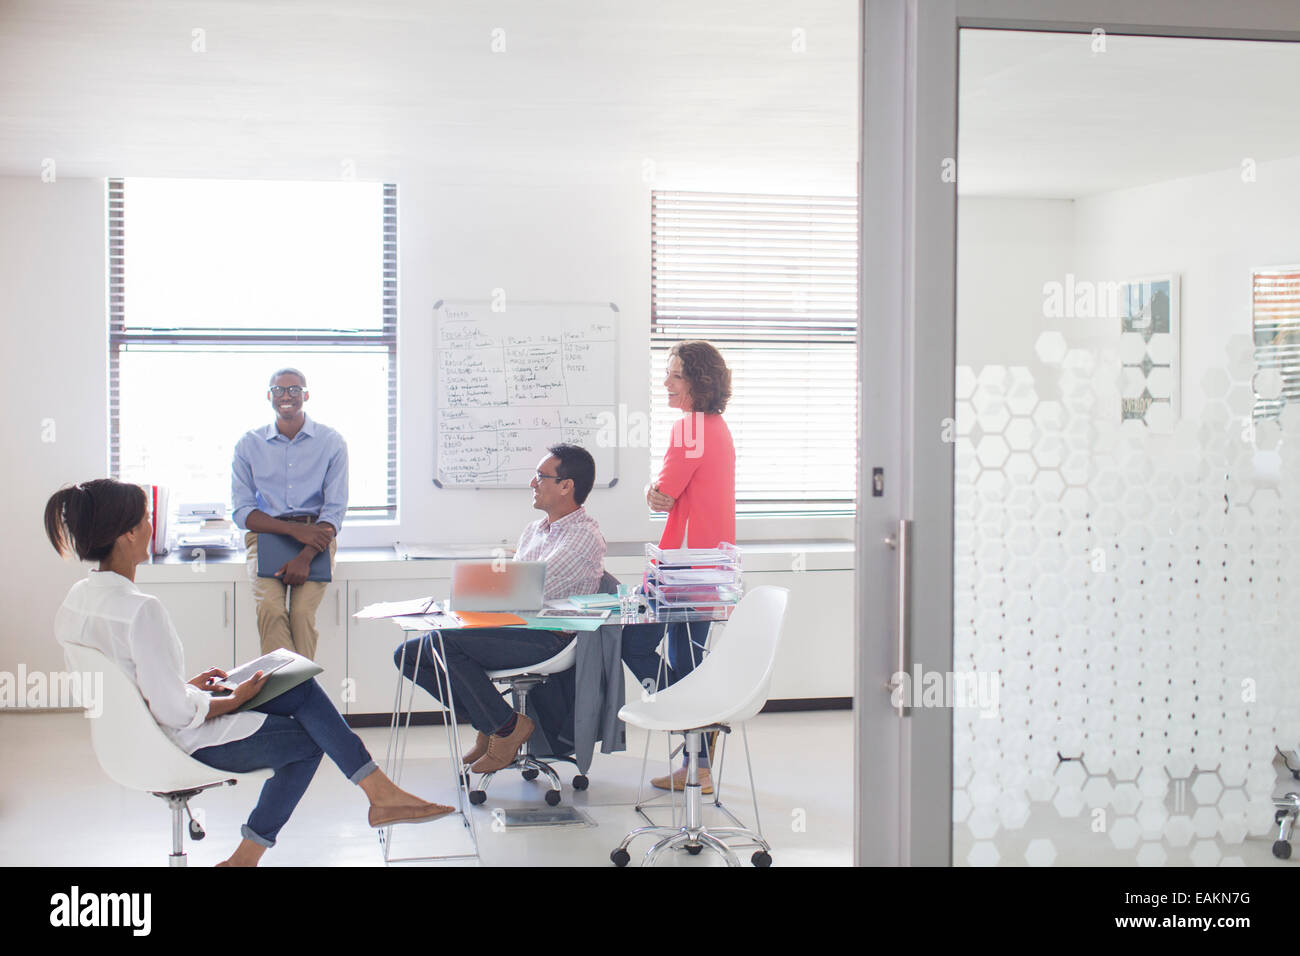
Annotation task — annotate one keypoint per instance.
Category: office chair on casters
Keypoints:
(520, 681)
(728, 687)
(133, 750)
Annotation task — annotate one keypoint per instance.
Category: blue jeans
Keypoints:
(685, 647)
(471, 653)
(301, 725)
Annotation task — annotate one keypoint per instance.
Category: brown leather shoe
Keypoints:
(501, 751)
(678, 781)
(419, 813)
(480, 748)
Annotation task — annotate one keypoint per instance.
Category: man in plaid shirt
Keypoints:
(569, 541)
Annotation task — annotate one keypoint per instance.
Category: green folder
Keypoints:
(594, 601)
(563, 623)
(285, 679)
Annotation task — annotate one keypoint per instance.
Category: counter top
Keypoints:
(622, 557)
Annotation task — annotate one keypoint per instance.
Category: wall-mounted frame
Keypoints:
(1149, 328)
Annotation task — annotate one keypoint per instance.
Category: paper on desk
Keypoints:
(394, 609)
(441, 621)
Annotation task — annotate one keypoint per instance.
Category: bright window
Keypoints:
(213, 286)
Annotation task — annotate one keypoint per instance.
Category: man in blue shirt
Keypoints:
(290, 478)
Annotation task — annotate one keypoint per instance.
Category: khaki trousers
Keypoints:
(294, 626)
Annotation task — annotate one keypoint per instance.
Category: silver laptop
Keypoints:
(498, 586)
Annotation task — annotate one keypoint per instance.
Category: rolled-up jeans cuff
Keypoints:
(366, 770)
(248, 833)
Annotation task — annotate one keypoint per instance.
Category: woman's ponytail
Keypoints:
(87, 519)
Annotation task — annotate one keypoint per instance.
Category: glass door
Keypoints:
(1080, 403)
(1126, 449)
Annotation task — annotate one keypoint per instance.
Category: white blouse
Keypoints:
(109, 613)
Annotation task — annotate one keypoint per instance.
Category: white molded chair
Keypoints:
(728, 687)
(521, 680)
(133, 750)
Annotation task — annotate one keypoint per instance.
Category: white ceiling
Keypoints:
(1042, 115)
(293, 89)
(711, 92)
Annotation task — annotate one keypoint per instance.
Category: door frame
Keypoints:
(908, 73)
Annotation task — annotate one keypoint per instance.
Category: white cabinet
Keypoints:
(204, 616)
(331, 649)
(371, 644)
(815, 658)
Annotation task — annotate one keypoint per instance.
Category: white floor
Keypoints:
(57, 808)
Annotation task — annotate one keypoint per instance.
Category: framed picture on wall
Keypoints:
(1149, 352)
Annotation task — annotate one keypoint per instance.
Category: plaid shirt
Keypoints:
(573, 549)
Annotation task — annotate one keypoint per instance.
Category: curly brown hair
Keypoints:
(706, 373)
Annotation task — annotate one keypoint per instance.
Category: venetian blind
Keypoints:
(772, 281)
(1276, 318)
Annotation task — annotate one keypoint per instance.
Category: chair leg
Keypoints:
(749, 835)
(676, 838)
(642, 831)
(713, 843)
(177, 857)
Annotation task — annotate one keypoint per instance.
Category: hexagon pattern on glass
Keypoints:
(1129, 586)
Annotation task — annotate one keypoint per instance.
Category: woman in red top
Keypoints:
(697, 488)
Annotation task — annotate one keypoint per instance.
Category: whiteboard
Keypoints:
(512, 383)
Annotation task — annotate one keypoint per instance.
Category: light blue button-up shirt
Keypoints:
(306, 476)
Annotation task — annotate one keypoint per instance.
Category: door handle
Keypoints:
(225, 609)
(338, 607)
(897, 684)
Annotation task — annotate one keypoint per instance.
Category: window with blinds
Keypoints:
(772, 282)
(213, 286)
(1276, 319)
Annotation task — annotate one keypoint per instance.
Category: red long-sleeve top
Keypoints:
(699, 470)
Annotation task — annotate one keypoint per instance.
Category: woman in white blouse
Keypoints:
(107, 521)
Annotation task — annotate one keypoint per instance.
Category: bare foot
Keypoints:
(247, 853)
(384, 793)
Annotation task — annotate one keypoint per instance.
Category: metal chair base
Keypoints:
(526, 760)
(693, 835)
(178, 801)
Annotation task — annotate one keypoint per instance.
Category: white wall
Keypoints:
(53, 269)
(558, 237)
(1006, 250)
(1213, 230)
(544, 241)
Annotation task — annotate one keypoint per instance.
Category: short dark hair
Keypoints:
(87, 519)
(706, 373)
(287, 371)
(577, 464)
